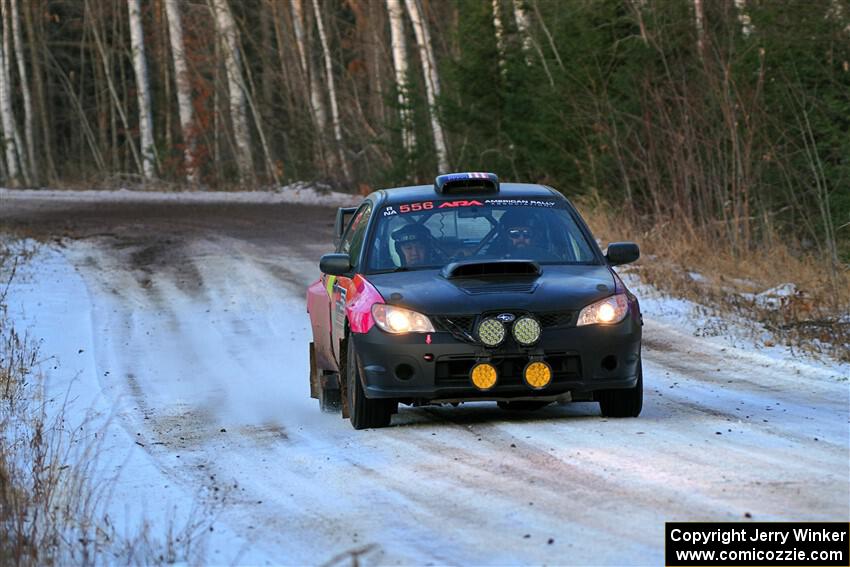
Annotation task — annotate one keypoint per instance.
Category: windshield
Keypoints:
(430, 234)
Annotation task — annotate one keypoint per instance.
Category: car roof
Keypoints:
(424, 192)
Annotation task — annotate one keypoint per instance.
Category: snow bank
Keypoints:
(296, 193)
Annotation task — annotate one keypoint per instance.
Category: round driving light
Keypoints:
(491, 332)
(483, 375)
(537, 374)
(527, 330)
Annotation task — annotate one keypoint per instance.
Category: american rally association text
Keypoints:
(748, 534)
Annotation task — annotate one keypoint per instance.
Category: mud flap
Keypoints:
(329, 392)
(314, 373)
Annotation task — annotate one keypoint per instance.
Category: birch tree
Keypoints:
(143, 94)
(398, 42)
(699, 22)
(329, 76)
(523, 24)
(432, 80)
(499, 27)
(744, 18)
(314, 95)
(10, 133)
(184, 89)
(25, 87)
(232, 66)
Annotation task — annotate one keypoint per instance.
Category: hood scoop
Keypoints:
(478, 269)
(525, 287)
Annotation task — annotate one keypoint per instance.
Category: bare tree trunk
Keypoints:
(699, 22)
(25, 87)
(6, 113)
(744, 18)
(143, 92)
(232, 65)
(523, 24)
(38, 47)
(317, 107)
(184, 89)
(398, 40)
(329, 75)
(110, 84)
(500, 34)
(432, 80)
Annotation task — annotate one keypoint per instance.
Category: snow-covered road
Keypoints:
(194, 334)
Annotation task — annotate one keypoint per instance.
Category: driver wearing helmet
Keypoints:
(412, 243)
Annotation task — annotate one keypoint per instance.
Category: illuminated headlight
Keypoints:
(526, 330)
(398, 320)
(605, 312)
(491, 332)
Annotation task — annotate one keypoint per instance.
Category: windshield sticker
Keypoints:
(520, 202)
(430, 205)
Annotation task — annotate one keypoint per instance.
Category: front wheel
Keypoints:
(363, 412)
(625, 402)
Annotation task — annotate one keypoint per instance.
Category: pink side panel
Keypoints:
(314, 295)
(361, 297)
(318, 305)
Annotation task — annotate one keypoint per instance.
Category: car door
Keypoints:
(337, 286)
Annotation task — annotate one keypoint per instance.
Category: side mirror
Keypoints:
(622, 253)
(335, 264)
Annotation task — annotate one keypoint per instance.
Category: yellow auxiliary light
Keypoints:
(483, 375)
(537, 374)
(491, 332)
(527, 330)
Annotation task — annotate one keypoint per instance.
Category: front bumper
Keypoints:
(583, 359)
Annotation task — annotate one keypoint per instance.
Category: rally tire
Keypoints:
(626, 402)
(363, 412)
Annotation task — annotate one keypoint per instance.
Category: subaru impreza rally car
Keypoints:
(471, 290)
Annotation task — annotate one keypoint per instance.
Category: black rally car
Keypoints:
(472, 290)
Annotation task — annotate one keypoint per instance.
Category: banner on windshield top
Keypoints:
(763, 544)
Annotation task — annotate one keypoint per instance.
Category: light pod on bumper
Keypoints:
(491, 332)
(483, 375)
(526, 330)
(537, 374)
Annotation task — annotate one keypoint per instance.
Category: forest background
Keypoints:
(715, 132)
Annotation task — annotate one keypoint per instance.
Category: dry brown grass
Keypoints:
(815, 317)
(53, 500)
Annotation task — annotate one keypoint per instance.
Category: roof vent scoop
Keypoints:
(470, 182)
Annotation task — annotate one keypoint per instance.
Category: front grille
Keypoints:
(454, 371)
(552, 319)
(448, 322)
(466, 323)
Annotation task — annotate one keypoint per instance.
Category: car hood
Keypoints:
(556, 288)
